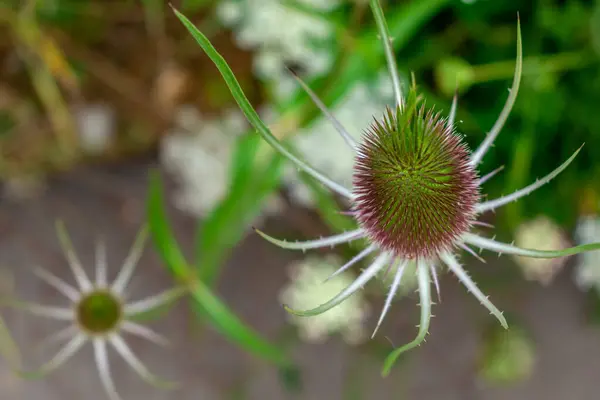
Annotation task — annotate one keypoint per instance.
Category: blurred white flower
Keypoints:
(230, 12)
(308, 289)
(281, 34)
(587, 272)
(543, 234)
(96, 124)
(199, 156)
(198, 153)
(320, 144)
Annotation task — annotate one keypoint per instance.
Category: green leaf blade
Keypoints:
(162, 233)
(251, 182)
(248, 110)
(233, 328)
(207, 303)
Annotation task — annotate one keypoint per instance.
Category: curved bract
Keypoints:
(425, 298)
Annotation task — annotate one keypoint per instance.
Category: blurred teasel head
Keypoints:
(99, 314)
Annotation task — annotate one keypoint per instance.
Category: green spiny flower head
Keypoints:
(415, 190)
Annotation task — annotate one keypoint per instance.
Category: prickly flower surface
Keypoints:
(415, 191)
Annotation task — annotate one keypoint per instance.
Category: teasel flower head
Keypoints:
(99, 314)
(415, 191)
(415, 195)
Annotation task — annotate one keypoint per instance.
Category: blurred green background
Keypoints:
(134, 56)
(87, 83)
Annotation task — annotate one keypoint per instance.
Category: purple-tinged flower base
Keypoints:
(415, 192)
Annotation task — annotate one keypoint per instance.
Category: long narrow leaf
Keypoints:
(207, 303)
(227, 224)
(233, 328)
(384, 33)
(162, 234)
(222, 225)
(248, 110)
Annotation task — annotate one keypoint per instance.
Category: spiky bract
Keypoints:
(415, 190)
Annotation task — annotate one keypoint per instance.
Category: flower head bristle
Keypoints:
(415, 191)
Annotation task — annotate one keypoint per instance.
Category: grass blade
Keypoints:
(205, 302)
(161, 231)
(252, 181)
(249, 111)
(233, 328)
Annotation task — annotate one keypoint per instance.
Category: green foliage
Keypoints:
(194, 5)
(227, 223)
(204, 302)
(508, 356)
(553, 114)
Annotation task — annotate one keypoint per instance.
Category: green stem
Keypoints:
(532, 65)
